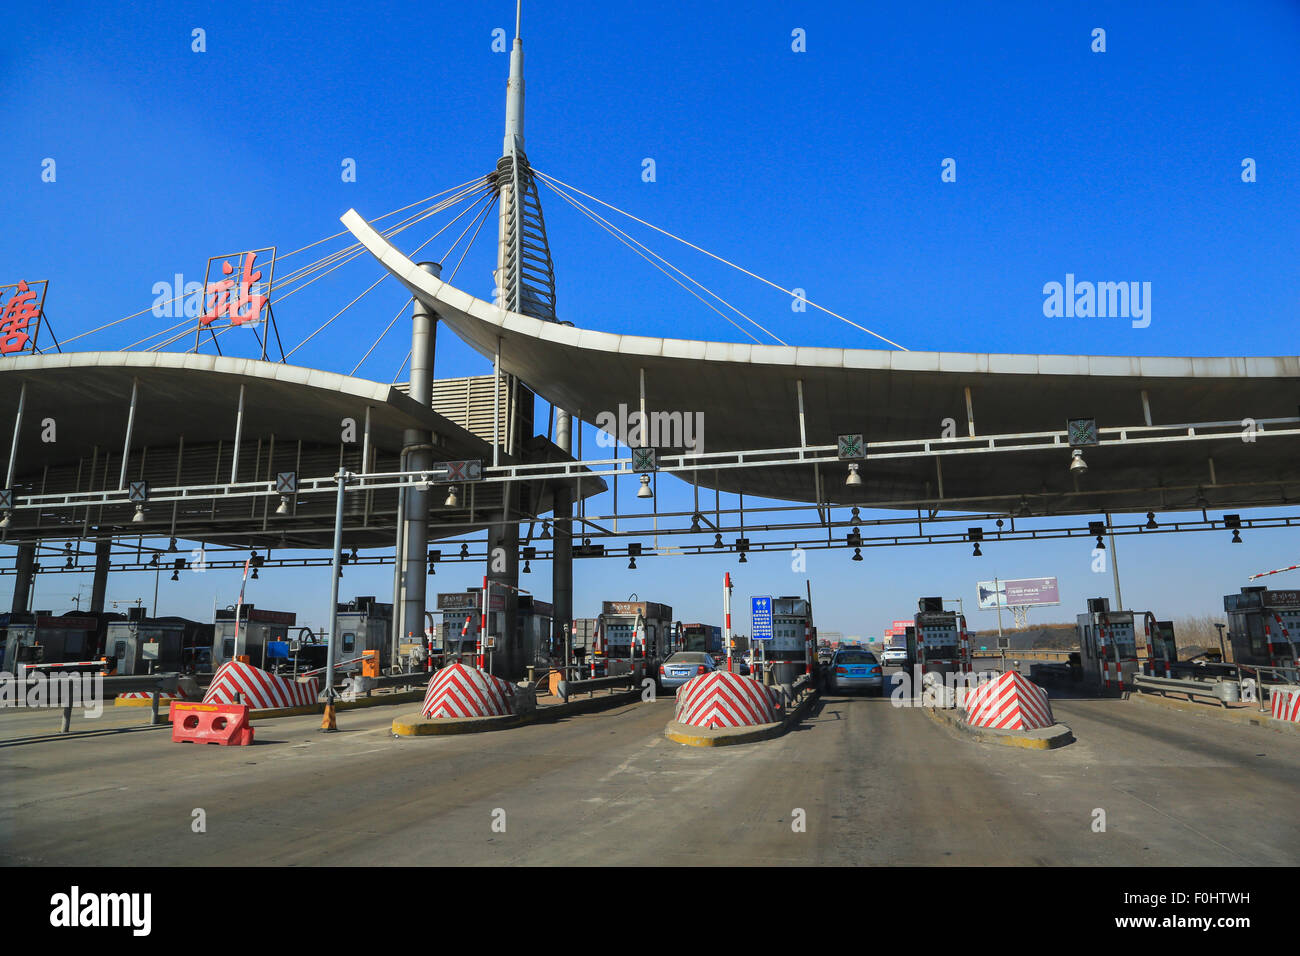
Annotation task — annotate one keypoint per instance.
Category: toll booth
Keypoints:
(43, 637)
(258, 628)
(618, 621)
(1108, 645)
(533, 624)
(461, 613)
(147, 645)
(365, 625)
(941, 643)
(536, 619)
(1263, 627)
(785, 655)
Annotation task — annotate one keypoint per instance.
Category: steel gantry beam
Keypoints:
(688, 463)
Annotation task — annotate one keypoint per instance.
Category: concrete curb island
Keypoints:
(727, 736)
(417, 725)
(1049, 738)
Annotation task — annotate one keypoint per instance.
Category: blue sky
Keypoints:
(819, 170)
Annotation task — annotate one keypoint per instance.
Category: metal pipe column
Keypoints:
(335, 566)
(419, 452)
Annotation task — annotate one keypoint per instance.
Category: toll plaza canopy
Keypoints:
(75, 412)
(1176, 433)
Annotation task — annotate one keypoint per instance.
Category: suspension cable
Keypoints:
(553, 181)
(629, 241)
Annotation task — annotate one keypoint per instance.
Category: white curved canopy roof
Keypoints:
(748, 396)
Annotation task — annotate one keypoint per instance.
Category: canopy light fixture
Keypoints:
(644, 491)
(854, 479)
(1151, 521)
(453, 498)
(1077, 464)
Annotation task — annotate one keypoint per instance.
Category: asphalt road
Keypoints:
(872, 784)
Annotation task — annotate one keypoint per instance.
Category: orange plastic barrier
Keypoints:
(224, 724)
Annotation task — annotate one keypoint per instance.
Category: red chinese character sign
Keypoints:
(237, 292)
(22, 306)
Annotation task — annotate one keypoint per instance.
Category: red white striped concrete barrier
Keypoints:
(1286, 706)
(259, 689)
(142, 697)
(1008, 702)
(724, 699)
(460, 691)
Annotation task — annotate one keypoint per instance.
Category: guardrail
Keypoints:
(1217, 690)
(593, 684)
(57, 693)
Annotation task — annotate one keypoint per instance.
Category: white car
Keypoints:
(894, 655)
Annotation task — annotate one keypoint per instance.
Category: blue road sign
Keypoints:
(760, 618)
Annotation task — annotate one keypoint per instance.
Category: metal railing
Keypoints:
(57, 694)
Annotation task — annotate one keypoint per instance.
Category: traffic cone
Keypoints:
(327, 722)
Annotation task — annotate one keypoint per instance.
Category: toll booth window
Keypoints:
(119, 650)
(228, 648)
(349, 642)
(1257, 646)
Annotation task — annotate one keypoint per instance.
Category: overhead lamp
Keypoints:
(856, 519)
(283, 508)
(546, 532)
(171, 546)
(154, 559)
(743, 559)
(1233, 522)
(695, 522)
(254, 574)
(854, 479)
(717, 540)
(644, 491)
(464, 550)
(631, 563)
(176, 575)
(857, 554)
(977, 553)
(354, 554)
(1236, 536)
(453, 498)
(527, 569)
(1077, 464)
(139, 514)
(68, 562)
(1151, 521)
(4, 522)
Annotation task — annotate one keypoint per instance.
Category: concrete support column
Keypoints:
(99, 584)
(562, 563)
(419, 457)
(23, 578)
(503, 567)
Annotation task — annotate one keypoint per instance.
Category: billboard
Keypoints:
(1018, 592)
